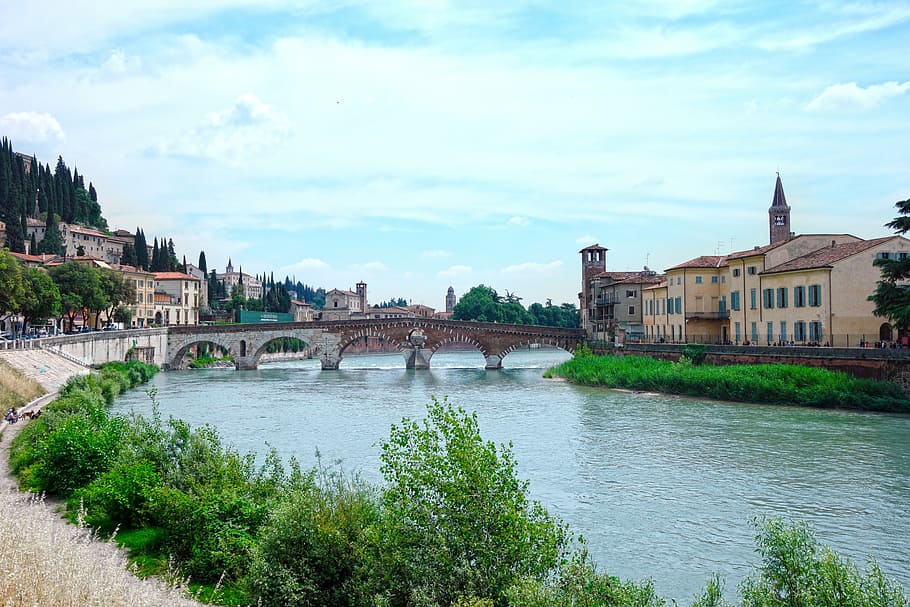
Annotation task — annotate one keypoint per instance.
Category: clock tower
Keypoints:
(779, 215)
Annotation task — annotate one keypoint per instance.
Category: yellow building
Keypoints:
(697, 300)
(176, 299)
(142, 308)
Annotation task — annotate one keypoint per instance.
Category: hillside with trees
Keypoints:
(29, 189)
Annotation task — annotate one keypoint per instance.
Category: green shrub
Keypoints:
(695, 353)
(75, 453)
(312, 548)
(796, 571)
(117, 497)
(456, 520)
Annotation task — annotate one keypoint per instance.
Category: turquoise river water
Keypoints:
(660, 487)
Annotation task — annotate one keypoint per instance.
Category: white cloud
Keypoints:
(370, 266)
(231, 134)
(586, 240)
(851, 96)
(31, 126)
(455, 271)
(310, 263)
(118, 62)
(519, 221)
(436, 253)
(531, 266)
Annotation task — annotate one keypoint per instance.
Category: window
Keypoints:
(782, 297)
(770, 332)
(714, 280)
(751, 270)
(723, 278)
(631, 310)
(735, 272)
(698, 280)
(768, 299)
(799, 330)
(755, 331)
(631, 293)
(734, 300)
(736, 332)
(679, 308)
(679, 280)
(783, 330)
(815, 331)
(799, 297)
(669, 305)
(752, 298)
(815, 295)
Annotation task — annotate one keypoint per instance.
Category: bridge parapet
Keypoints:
(418, 338)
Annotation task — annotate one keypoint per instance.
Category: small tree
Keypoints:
(892, 295)
(456, 520)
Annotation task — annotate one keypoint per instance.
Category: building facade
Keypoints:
(798, 289)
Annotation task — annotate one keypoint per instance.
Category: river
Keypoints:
(660, 487)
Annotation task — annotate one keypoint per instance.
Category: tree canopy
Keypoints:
(892, 294)
(485, 304)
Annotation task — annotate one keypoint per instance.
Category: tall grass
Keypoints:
(768, 384)
(44, 561)
(16, 389)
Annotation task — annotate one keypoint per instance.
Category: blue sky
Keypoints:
(418, 144)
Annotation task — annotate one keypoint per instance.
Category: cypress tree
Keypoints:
(53, 241)
(142, 251)
(156, 257)
(184, 265)
(173, 264)
(202, 265)
(92, 193)
(32, 245)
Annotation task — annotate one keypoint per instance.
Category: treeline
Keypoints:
(451, 526)
(163, 257)
(58, 195)
(484, 304)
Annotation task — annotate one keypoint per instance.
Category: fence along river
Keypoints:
(659, 486)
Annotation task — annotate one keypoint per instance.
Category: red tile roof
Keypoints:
(594, 247)
(705, 261)
(174, 276)
(827, 256)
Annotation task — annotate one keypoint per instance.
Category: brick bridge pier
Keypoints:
(418, 339)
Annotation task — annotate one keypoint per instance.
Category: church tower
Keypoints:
(593, 262)
(362, 295)
(779, 215)
(230, 267)
(450, 300)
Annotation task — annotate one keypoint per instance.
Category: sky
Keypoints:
(420, 144)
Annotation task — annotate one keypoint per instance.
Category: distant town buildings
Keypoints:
(344, 305)
(251, 287)
(798, 289)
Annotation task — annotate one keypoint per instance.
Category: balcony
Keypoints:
(720, 315)
(607, 300)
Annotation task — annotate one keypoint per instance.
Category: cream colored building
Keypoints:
(142, 309)
(799, 289)
(176, 299)
(94, 243)
(390, 312)
(302, 311)
(252, 286)
(344, 305)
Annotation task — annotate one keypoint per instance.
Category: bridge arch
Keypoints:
(179, 358)
(262, 347)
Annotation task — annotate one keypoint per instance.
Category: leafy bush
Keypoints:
(797, 571)
(312, 549)
(456, 520)
(117, 497)
(77, 452)
(695, 353)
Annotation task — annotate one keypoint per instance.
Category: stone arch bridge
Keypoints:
(417, 338)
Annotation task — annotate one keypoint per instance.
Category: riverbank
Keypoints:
(776, 384)
(44, 559)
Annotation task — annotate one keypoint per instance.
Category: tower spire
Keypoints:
(779, 215)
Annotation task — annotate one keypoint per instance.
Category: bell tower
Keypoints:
(779, 215)
(593, 262)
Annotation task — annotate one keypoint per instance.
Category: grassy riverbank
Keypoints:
(15, 389)
(766, 384)
(451, 526)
